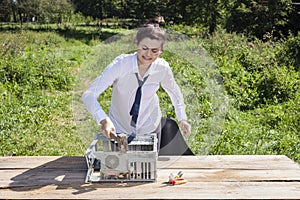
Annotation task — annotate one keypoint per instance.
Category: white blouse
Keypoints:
(120, 73)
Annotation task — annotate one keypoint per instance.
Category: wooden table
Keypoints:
(209, 177)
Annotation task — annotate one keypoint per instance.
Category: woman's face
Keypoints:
(148, 51)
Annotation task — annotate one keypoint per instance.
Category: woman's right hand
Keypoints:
(107, 127)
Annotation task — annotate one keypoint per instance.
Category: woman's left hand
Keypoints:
(185, 127)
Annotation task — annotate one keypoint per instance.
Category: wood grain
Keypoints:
(209, 177)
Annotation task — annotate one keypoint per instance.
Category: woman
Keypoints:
(134, 105)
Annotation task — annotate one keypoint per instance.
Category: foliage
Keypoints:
(27, 70)
(251, 71)
(43, 11)
(195, 31)
(36, 80)
(251, 17)
(39, 72)
(289, 55)
(264, 88)
(188, 80)
(89, 8)
(270, 130)
(260, 17)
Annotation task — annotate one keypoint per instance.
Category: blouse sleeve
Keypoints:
(100, 84)
(171, 87)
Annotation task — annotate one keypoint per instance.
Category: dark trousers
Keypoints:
(171, 140)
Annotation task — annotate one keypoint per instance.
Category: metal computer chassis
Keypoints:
(106, 163)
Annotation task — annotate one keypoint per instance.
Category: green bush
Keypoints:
(269, 130)
(251, 70)
(289, 55)
(35, 84)
(262, 80)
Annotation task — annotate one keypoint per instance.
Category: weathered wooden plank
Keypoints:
(233, 175)
(192, 162)
(33, 178)
(28, 162)
(210, 190)
(271, 177)
(22, 178)
(228, 162)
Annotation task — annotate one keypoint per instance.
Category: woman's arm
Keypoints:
(171, 87)
(99, 85)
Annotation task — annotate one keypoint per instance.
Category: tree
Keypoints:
(55, 11)
(45, 11)
(260, 17)
(92, 8)
(6, 10)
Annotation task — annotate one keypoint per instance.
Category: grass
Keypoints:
(44, 72)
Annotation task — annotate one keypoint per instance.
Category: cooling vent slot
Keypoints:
(142, 170)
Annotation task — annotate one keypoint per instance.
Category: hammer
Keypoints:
(121, 140)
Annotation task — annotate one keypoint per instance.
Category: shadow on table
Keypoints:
(64, 173)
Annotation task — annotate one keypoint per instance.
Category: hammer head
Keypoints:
(121, 140)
